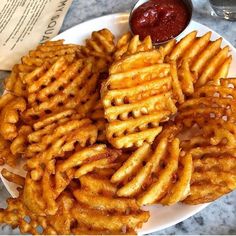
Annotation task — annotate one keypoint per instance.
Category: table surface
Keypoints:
(220, 216)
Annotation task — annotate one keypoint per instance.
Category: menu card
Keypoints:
(26, 23)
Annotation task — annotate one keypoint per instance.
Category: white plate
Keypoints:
(161, 217)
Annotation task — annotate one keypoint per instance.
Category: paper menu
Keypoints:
(26, 23)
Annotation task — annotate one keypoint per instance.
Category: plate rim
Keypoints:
(62, 35)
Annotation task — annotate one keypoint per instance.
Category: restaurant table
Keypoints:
(220, 216)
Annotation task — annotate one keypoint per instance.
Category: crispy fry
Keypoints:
(70, 80)
(6, 156)
(219, 177)
(12, 177)
(137, 183)
(9, 117)
(127, 45)
(120, 205)
(181, 189)
(99, 220)
(157, 189)
(97, 185)
(134, 108)
(132, 164)
(207, 61)
(19, 144)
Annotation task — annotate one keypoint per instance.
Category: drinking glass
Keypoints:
(224, 8)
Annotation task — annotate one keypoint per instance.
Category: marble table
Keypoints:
(220, 216)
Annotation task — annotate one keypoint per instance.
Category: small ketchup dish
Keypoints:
(163, 20)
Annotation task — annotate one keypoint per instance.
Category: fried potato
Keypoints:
(101, 44)
(132, 165)
(99, 49)
(98, 185)
(180, 190)
(156, 176)
(32, 196)
(49, 52)
(12, 177)
(78, 136)
(66, 219)
(158, 189)
(127, 45)
(207, 60)
(6, 156)
(135, 107)
(14, 83)
(99, 220)
(14, 215)
(120, 212)
(87, 159)
(41, 139)
(45, 54)
(210, 102)
(217, 172)
(60, 87)
(19, 144)
(120, 205)
(9, 117)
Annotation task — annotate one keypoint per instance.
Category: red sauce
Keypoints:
(161, 19)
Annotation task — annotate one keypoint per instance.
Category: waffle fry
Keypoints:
(14, 84)
(60, 87)
(200, 51)
(98, 185)
(99, 49)
(19, 144)
(219, 176)
(98, 156)
(107, 208)
(149, 175)
(100, 44)
(210, 102)
(134, 108)
(79, 137)
(128, 45)
(9, 117)
(12, 177)
(41, 139)
(97, 115)
(87, 207)
(50, 52)
(6, 156)
(45, 54)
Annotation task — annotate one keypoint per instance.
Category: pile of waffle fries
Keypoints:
(108, 127)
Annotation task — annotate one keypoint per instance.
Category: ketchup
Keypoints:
(161, 19)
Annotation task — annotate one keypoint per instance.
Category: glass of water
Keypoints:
(224, 8)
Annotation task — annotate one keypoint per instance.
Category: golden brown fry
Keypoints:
(19, 144)
(207, 61)
(137, 183)
(135, 107)
(97, 185)
(127, 45)
(12, 177)
(157, 189)
(180, 190)
(103, 203)
(132, 164)
(60, 87)
(9, 117)
(100, 220)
